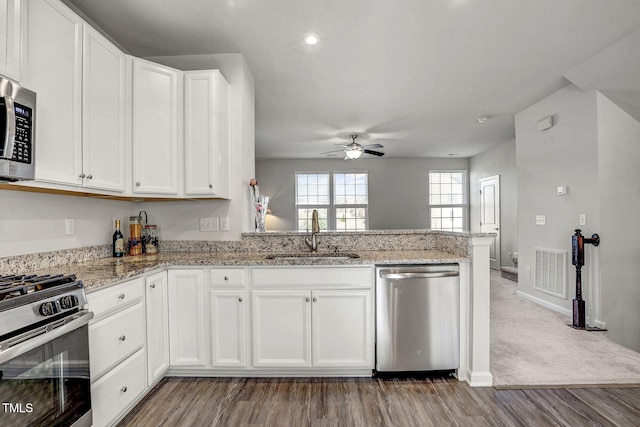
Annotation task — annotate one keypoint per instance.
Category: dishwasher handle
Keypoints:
(418, 275)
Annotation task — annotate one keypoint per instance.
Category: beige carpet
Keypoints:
(533, 346)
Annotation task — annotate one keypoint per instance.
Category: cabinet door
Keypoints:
(342, 328)
(53, 69)
(186, 318)
(281, 322)
(103, 161)
(206, 130)
(10, 33)
(228, 328)
(157, 326)
(155, 128)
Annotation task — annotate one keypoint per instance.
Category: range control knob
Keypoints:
(68, 301)
(48, 308)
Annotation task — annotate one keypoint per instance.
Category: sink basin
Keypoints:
(312, 256)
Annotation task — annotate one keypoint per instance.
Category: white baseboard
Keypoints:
(545, 304)
(480, 379)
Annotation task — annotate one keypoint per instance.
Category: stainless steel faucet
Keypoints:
(312, 242)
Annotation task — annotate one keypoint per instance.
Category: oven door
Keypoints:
(44, 380)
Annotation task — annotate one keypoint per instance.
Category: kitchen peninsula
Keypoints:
(205, 308)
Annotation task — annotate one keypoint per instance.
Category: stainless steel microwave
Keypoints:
(17, 131)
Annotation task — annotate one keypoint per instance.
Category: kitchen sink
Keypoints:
(313, 256)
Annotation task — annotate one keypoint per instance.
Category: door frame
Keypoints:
(496, 261)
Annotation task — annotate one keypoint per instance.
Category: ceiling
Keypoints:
(412, 75)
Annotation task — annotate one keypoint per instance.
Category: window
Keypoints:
(340, 198)
(448, 200)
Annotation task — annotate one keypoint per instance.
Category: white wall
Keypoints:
(619, 184)
(398, 193)
(32, 222)
(501, 161)
(565, 155)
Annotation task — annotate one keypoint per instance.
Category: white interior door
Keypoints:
(490, 215)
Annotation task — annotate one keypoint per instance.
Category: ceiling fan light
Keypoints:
(353, 154)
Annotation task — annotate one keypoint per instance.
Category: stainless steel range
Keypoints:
(44, 351)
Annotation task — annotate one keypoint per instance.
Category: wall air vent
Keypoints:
(550, 274)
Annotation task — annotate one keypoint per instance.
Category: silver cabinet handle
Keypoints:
(82, 175)
(307, 299)
(124, 389)
(122, 337)
(226, 278)
(240, 299)
(89, 176)
(153, 286)
(137, 184)
(210, 185)
(315, 300)
(121, 296)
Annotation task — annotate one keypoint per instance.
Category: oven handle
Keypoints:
(43, 335)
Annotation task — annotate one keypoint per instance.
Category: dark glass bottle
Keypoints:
(118, 241)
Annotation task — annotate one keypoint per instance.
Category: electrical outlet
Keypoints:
(224, 223)
(528, 271)
(209, 224)
(583, 219)
(69, 226)
(541, 220)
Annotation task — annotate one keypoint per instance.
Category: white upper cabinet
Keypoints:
(52, 67)
(103, 107)
(206, 133)
(10, 38)
(154, 128)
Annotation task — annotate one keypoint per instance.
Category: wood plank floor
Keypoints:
(377, 402)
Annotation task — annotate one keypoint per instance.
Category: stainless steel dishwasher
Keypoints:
(417, 318)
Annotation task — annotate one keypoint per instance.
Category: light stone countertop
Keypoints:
(108, 271)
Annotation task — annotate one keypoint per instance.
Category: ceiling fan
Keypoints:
(354, 150)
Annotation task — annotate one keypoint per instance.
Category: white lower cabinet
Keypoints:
(342, 328)
(312, 317)
(281, 328)
(187, 345)
(319, 328)
(115, 392)
(117, 353)
(157, 305)
(227, 321)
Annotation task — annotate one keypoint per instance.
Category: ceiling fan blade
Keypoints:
(334, 151)
(375, 153)
(373, 146)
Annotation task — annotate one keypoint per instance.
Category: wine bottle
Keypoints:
(118, 241)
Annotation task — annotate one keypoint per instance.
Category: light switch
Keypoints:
(561, 190)
(541, 220)
(583, 219)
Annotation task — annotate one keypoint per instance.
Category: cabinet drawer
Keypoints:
(118, 389)
(114, 338)
(109, 299)
(226, 276)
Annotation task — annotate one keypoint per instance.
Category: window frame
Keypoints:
(465, 199)
(332, 206)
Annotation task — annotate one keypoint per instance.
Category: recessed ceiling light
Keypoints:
(311, 39)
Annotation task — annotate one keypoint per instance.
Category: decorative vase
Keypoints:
(262, 203)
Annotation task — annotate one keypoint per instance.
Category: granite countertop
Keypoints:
(107, 271)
